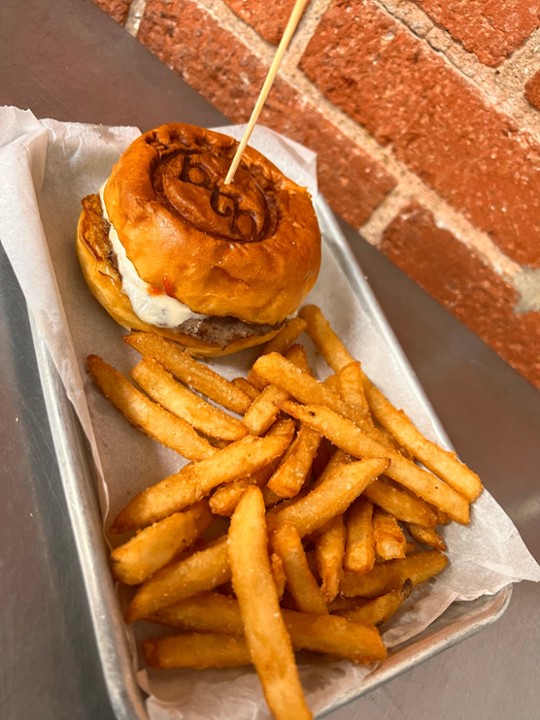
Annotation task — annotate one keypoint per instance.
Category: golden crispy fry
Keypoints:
(357, 642)
(285, 337)
(288, 478)
(278, 573)
(204, 570)
(196, 650)
(344, 433)
(351, 388)
(267, 638)
(329, 551)
(390, 542)
(208, 612)
(196, 480)
(325, 339)
(171, 431)
(194, 373)
(380, 609)
(427, 536)
(336, 491)
(155, 546)
(298, 356)
(360, 547)
(442, 462)
(270, 498)
(176, 398)
(214, 613)
(225, 498)
(264, 409)
(300, 581)
(298, 383)
(246, 387)
(387, 576)
(400, 503)
(283, 344)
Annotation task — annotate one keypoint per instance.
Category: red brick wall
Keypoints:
(426, 118)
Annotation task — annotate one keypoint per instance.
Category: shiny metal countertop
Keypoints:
(67, 60)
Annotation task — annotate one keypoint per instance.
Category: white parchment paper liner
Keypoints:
(46, 167)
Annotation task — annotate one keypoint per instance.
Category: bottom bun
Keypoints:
(105, 284)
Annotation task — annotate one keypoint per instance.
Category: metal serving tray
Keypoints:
(76, 468)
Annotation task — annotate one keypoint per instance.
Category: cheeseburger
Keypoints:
(167, 247)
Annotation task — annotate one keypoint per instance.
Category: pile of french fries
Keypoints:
(306, 515)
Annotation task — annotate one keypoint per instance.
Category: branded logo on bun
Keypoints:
(166, 246)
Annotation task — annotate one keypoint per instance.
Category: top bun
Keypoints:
(250, 249)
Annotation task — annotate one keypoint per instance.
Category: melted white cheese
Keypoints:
(160, 310)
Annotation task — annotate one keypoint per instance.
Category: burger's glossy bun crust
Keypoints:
(250, 249)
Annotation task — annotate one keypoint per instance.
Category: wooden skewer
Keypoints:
(296, 14)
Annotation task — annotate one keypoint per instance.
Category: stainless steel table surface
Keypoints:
(65, 59)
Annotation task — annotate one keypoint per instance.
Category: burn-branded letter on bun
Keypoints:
(166, 246)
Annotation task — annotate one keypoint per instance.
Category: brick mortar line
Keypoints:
(446, 217)
(524, 280)
(481, 77)
(229, 20)
(505, 96)
(409, 185)
(306, 29)
(136, 11)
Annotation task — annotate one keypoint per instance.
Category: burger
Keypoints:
(166, 246)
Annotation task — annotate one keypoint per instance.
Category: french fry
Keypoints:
(300, 581)
(283, 344)
(225, 498)
(160, 385)
(208, 612)
(157, 423)
(360, 545)
(357, 642)
(351, 388)
(329, 551)
(204, 570)
(347, 436)
(196, 650)
(214, 613)
(400, 503)
(194, 373)
(343, 603)
(298, 356)
(390, 542)
(288, 478)
(378, 610)
(267, 638)
(442, 462)
(155, 546)
(387, 576)
(278, 573)
(302, 386)
(427, 536)
(325, 339)
(196, 480)
(285, 337)
(246, 387)
(336, 491)
(298, 383)
(264, 409)
(318, 504)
